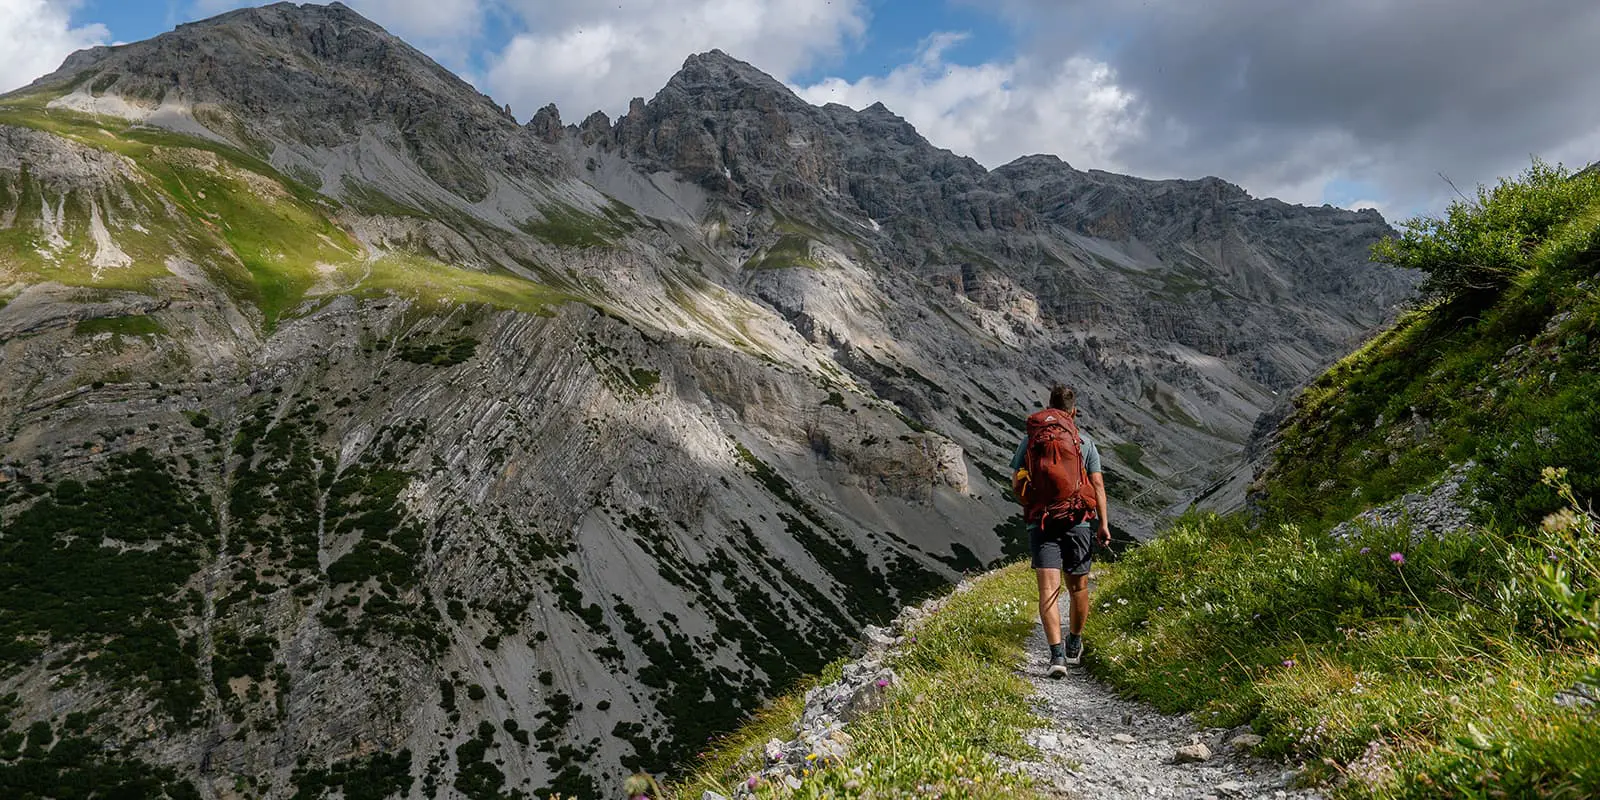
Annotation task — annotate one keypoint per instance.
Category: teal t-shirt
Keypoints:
(1091, 454)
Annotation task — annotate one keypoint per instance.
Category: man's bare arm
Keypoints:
(1104, 534)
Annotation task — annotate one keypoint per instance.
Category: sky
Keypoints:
(1356, 103)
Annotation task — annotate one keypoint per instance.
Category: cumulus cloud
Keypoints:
(583, 55)
(1287, 97)
(995, 112)
(426, 19)
(39, 34)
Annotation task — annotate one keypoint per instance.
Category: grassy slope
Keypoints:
(958, 702)
(270, 239)
(1401, 665)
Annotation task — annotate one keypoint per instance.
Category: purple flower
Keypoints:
(1288, 662)
(1398, 558)
(753, 782)
(1365, 550)
(883, 683)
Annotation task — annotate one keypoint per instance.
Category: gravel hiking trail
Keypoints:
(1099, 746)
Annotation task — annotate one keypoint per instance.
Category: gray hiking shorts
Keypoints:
(1070, 550)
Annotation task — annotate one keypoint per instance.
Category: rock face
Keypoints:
(351, 428)
(1444, 509)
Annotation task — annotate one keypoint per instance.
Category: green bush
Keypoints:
(439, 353)
(374, 777)
(1480, 245)
(77, 768)
(1510, 386)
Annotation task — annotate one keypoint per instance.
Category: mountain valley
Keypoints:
(354, 433)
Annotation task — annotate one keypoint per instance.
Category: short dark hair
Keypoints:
(1063, 398)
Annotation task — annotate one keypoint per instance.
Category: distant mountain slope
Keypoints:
(401, 441)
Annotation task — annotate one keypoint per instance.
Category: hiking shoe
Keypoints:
(1058, 667)
(1074, 651)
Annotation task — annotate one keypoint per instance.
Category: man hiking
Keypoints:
(1056, 475)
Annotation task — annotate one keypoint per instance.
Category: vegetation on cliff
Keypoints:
(270, 240)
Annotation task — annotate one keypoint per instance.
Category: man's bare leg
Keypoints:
(1078, 613)
(1049, 604)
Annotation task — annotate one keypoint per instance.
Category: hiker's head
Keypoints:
(1063, 398)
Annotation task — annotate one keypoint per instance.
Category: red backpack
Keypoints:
(1058, 484)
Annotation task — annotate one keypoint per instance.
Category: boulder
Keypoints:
(1192, 754)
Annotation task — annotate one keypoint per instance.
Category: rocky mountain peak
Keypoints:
(877, 121)
(716, 73)
(546, 124)
(284, 15)
(1044, 161)
(312, 77)
(718, 122)
(274, 37)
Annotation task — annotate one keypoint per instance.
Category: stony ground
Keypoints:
(1101, 746)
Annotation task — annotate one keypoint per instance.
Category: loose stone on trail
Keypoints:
(1245, 741)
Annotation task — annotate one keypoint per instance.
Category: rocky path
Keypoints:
(1101, 746)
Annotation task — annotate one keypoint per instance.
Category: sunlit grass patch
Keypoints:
(270, 240)
(51, 234)
(131, 325)
(790, 251)
(229, 206)
(278, 237)
(436, 285)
